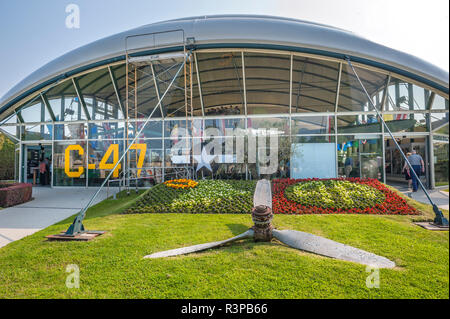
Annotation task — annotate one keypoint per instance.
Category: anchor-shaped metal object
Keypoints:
(263, 231)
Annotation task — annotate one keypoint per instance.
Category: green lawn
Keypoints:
(111, 266)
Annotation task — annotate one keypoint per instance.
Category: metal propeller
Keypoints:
(263, 231)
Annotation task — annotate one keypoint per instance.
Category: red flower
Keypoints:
(392, 205)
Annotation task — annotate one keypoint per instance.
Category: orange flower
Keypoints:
(181, 183)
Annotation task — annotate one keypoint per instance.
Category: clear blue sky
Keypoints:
(33, 32)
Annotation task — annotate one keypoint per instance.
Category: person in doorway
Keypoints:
(47, 171)
(407, 172)
(418, 166)
(348, 166)
(42, 172)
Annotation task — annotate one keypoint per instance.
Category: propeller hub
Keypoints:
(262, 218)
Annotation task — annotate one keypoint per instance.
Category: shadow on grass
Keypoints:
(108, 206)
(237, 229)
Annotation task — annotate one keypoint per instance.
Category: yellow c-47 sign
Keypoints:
(112, 149)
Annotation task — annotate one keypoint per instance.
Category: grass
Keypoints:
(111, 266)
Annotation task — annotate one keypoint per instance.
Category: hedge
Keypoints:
(14, 194)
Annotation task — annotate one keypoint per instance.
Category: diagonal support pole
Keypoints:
(440, 218)
(77, 226)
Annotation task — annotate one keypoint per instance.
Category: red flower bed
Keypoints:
(393, 204)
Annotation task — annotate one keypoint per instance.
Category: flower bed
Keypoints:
(337, 196)
(181, 183)
(14, 194)
(207, 196)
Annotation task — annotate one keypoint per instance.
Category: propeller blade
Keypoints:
(200, 247)
(263, 194)
(326, 247)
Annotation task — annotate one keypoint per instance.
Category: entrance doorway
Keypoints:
(34, 155)
(394, 161)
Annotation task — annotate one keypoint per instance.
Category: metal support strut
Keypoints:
(77, 226)
(440, 218)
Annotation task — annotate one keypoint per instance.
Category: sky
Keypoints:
(34, 32)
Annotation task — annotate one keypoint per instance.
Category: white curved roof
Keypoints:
(244, 30)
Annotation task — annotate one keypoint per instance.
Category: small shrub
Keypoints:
(14, 194)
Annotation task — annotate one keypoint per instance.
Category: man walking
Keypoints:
(418, 166)
(348, 166)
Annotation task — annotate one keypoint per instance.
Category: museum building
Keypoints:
(248, 74)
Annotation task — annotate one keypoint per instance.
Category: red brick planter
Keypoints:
(14, 194)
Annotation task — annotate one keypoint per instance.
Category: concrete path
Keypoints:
(439, 197)
(48, 207)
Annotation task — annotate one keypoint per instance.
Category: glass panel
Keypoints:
(314, 85)
(99, 95)
(394, 160)
(221, 82)
(55, 104)
(313, 157)
(406, 96)
(13, 130)
(312, 125)
(69, 164)
(360, 156)
(119, 75)
(363, 123)
(37, 132)
(439, 123)
(75, 131)
(36, 112)
(64, 102)
(177, 157)
(147, 97)
(12, 120)
(402, 122)
(441, 155)
(351, 94)
(152, 130)
(176, 126)
(267, 83)
(439, 103)
(102, 157)
(106, 130)
(271, 162)
(225, 123)
(146, 160)
(281, 124)
(33, 155)
(174, 101)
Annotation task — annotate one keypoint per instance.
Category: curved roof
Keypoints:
(249, 31)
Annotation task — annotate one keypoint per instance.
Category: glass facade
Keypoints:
(247, 108)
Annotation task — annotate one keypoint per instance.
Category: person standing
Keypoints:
(407, 172)
(348, 166)
(418, 166)
(42, 172)
(47, 171)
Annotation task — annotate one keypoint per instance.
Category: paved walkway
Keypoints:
(439, 197)
(48, 207)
